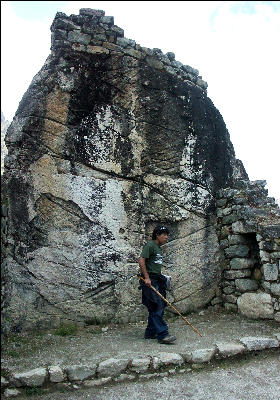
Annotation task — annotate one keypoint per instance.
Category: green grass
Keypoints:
(66, 330)
(33, 391)
(4, 373)
(13, 353)
(17, 344)
(17, 339)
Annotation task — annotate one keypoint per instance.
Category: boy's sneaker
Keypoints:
(167, 340)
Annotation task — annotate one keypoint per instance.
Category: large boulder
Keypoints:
(109, 140)
(255, 305)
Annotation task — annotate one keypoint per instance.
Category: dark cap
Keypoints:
(159, 230)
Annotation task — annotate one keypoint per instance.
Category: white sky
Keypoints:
(233, 44)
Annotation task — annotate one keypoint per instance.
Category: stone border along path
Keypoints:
(124, 369)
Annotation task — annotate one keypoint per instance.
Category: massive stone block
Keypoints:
(109, 140)
(255, 305)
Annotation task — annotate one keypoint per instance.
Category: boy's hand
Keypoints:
(148, 282)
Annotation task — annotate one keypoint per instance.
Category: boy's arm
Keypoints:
(143, 269)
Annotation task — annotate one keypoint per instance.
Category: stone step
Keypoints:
(139, 367)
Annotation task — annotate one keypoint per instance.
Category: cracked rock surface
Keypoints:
(109, 140)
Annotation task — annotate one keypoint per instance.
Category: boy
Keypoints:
(150, 263)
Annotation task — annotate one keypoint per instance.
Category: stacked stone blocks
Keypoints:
(249, 231)
(93, 32)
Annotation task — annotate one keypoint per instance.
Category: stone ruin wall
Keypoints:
(82, 35)
(249, 234)
(81, 204)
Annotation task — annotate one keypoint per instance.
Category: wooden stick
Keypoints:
(170, 305)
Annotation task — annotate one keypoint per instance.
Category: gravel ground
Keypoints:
(27, 351)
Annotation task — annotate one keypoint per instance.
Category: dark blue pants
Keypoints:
(156, 324)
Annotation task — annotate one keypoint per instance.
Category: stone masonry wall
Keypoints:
(94, 33)
(249, 234)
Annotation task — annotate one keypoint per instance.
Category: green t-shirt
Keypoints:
(153, 255)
